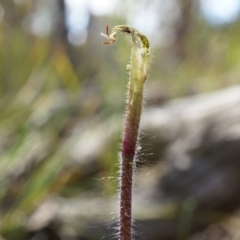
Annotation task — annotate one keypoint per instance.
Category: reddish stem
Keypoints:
(140, 59)
(128, 150)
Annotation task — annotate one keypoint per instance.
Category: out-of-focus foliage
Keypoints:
(52, 93)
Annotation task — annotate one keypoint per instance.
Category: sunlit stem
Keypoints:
(140, 59)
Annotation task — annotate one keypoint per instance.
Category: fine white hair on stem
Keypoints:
(139, 65)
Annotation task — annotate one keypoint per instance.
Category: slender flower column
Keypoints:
(139, 65)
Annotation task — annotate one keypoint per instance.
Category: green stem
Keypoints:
(140, 59)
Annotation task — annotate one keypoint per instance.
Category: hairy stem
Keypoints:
(128, 150)
(140, 59)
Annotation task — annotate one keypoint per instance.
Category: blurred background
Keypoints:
(62, 97)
